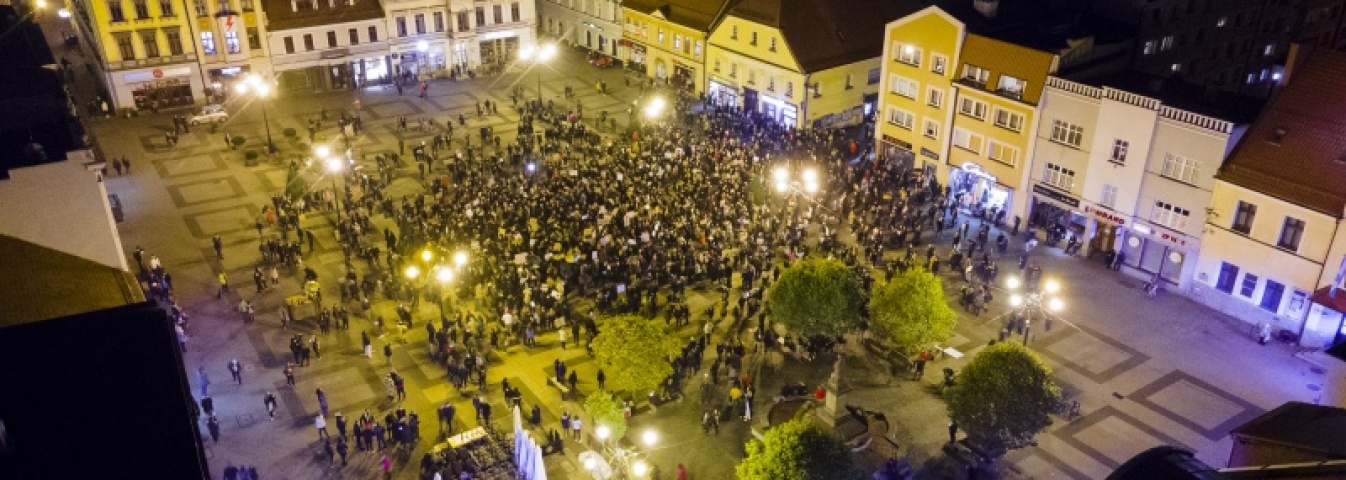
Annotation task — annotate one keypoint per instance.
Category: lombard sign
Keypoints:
(1105, 215)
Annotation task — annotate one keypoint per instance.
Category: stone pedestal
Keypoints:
(831, 410)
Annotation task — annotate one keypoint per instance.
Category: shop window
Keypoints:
(1249, 285)
(514, 12)
(1271, 296)
(1169, 215)
(174, 41)
(1009, 120)
(142, 8)
(1109, 196)
(900, 85)
(1291, 233)
(1119, 148)
(901, 118)
(208, 43)
(289, 44)
(1180, 168)
(1243, 217)
(150, 41)
(165, 8)
(972, 108)
(1228, 274)
(115, 13)
(1067, 133)
(1058, 176)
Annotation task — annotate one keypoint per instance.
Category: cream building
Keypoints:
(327, 44)
(594, 25)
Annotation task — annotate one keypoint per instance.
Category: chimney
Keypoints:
(987, 8)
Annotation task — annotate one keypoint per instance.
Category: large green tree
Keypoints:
(797, 450)
(605, 409)
(1003, 398)
(634, 352)
(816, 296)
(295, 187)
(909, 311)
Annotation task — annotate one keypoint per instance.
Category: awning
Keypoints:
(1323, 296)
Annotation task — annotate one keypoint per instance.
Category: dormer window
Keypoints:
(975, 74)
(1010, 86)
(1277, 136)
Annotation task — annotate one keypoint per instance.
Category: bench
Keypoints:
(565, 389)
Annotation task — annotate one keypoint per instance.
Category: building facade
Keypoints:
(487, 34)
(327, 44)
(915, 104)
(1274, 248)
(229, 37)
(144, 51)
(419, 40)
(594, 25)
(667, 40)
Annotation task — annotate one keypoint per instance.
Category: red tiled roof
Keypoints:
(1296, 150)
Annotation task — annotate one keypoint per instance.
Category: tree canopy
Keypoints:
(797, 450)
(816, 296)
(909, 311)
(1003, 398)
(634, 352)
(606, 410)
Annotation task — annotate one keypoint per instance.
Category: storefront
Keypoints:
(722, 92)
(499, 51)
(977, 190)
(1108, 229)
(370, 70)
(773, 108)
(222, 81)
(1056, 212)
(637, 60)
(160, 88)
(896, 152)
(1158, 252)
(1324, 325)
(419, 58)
(684, 77)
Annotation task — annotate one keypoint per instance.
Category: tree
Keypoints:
(816, 296)
(605, 409)
(909, 311)
(1003, 397)
(634, 352)
(797, 450)
(294, 185)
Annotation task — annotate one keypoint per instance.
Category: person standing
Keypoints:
(575, 426)
(322, 401)
(270, 402)
(289, 374)
(368, 346)
(386, 464)
(388, 352)
(331, 452)
(341, 426)
(602, 378)
(204, 380)
(219, 247)
(236, 370)
(342, 449)
(213, 425)
(224, 285)
(321, 424)
(953, 431)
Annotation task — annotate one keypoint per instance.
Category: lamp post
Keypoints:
(538, 55)
(440, 268)
(1041, 301)
(625, 460)
(336, 166)
(257, 87)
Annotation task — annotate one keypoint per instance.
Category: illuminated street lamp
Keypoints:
(1034, 302)
(783, 180)
(619, 458)
(655, 107)
(254, 85)
(538, 55)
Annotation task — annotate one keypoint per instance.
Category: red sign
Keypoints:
(158, 73)
(1174, 239)
(1105, 215)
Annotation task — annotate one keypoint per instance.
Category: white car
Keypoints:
(209, 115)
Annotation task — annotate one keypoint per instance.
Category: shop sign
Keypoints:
(1105, 215)
(929, 153)
(144, 76)
(157, 73)
(334, 53)
(895, 141)
(1057, 196)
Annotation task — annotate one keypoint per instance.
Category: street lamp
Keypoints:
(782, 179)
(619, 458)
(1034, 302)
(440, 268)
(257, 87)
(537, 55)
(655, 107)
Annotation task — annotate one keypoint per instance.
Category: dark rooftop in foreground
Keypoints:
(823, 34)
(281, 16)
(696, 14)
(32, 97)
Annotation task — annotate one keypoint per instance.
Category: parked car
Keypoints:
(600, 60)
(209, 114)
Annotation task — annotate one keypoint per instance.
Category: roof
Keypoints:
(1296, 150)
(37, 283)
(823, 34)
(280, 15)
(699, 15)
(1305, 426)
(1176, 92)
(1164, 463)
(33, 98)
(1006, 58)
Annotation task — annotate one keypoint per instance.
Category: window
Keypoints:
(201, 9)
(125, 46)
(850, 81)
(902, 86)
(1170, 216)
(1109, 196)
(972, 108)
(246, 5)
(677, 42)
(1228, 274)
(1066, 133)
(789, 89)
(1249, 285)
(1149, 48)
(462, 22)
(752, 38)
(874, 75)
(149, 39)
(717, 65)
(1166, 43)
(660, 34)
(1002, 153)
(1243, 217)
(354, 36)
(772, 45)
(901, 117)
(208, 43)
(331, 39)
(231, 41)
(514, 12)
(733, 32)
(1177, 67)
(907, 54)
(696, 50)
(142, 9)
(975, 74)
(1009, 120)
(1010, 86)
(1221, 21)
(401, 23)
(439, 21)
(115, 11)
(289, 44)
(1119, 148)
(481, 16)
(733, 70)
(935, 97)
(938, 63)
(1271, 296)
(1180, 168)
(165, 8)
(254, 39)
(373, 34)
(308, 42)
(930, 128)
(967, 140)
(1291, 232)
(498, 13)
(1058, 176)
(224, 5)
(174, 41)
(419, 20)
(1267, 51)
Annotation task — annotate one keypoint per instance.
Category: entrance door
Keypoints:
(749, 100)
(588, 39)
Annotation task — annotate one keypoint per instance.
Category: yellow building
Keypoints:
(965, 105)
(795, 65)
(144, 51)
(666, 40)
(230, 40)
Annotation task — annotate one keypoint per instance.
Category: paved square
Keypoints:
(1091, 353)
(205, 191)
(1112, 437)
(221, 221)
(393, 109)
(188, 165)
(1205, 408)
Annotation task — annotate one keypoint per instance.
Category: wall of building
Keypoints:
(126, 73)
(844, 105)
(63, 206)
(661, 56)
(933, 33)
(590, 24)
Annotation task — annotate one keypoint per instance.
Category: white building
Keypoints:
(418, 36)
(326, 44)
(229, 37)
(1139, 183)
(488, 33)
(80, 223)
(1275, 240)
(592, 24)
